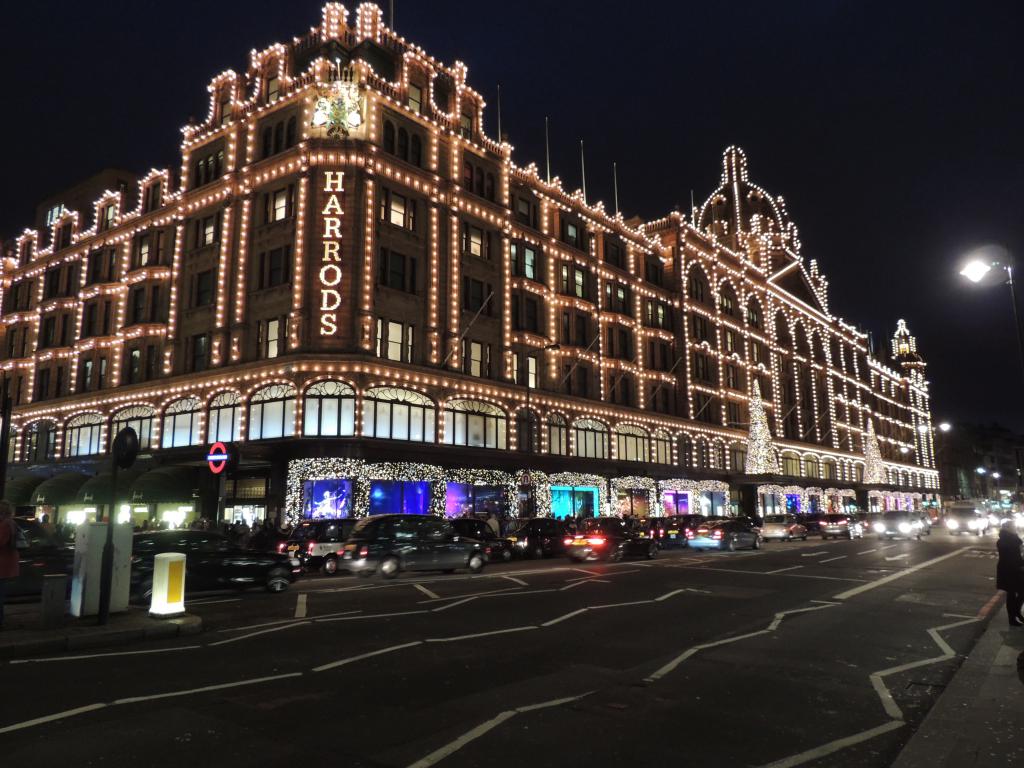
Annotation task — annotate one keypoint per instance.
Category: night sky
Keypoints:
(892, 129)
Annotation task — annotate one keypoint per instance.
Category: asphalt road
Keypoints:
(806, 653)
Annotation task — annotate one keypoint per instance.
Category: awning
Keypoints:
(96, 490)
(59, 489)
(18, 490)
(165, 485)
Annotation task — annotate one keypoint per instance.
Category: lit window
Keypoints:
(54, 213)
(531, 372)
(273, 88)
(466, 125)
(209, 230)
(476, 358)
(415, 98)
(273, 340)
(280, 208)
(579, 284)
(144, 252)
(529, 263)
(474, 241)
(396, 214)
(108, 216)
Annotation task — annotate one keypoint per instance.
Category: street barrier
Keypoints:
(168, 585)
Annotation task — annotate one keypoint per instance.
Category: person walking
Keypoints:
(494, 524)
(1010, 572)
(9, 559)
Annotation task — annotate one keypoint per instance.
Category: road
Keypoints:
(806, 653)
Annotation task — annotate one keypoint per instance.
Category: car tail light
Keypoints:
(309, 548)
(717, 534)
(661, 531)
(364, 551)
(487, 550)
(595, 541)
(567, 540)
(842, 522)
(280, 547)
(689, 533)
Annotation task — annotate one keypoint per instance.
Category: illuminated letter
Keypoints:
(330, 300)
(332, 251)
(333, 206)
(332, 227)
(328, 324)
(330, 275)
(332, 181)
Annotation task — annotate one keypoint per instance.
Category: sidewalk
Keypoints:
(22, 634)
(978, 721)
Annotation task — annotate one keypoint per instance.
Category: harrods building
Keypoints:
(355, 288)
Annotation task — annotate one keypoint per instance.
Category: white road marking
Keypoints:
(478, 634)
(50, 718)
(945, 615)
(619, 605)
(783, 614)
(564, 617)
(212, 602)
(427, 592)
(888, 547)
(825, 602)
(279, 621)
(589, 573)
(104, 655)
(783, 570)
(834, 746)
(667, 595)
(206, 688)
(260, 632)
(897, 557)
(517, 581)
(378, 652)
(584, 581)
(452, 605)
(300, 606)
(833, 559)
(487, 593)
(320, 619)
(819, 553)
(898, 575)
(867, 551)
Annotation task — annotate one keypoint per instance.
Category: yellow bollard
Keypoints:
(168, 585)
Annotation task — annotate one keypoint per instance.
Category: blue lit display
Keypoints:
(567, 501)
(465, 499)
(327, 499)
(395, 497)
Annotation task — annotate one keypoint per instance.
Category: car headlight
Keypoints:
(905, 527)
(972, 524)
(993, 520)
(952, 524)
(879, 527)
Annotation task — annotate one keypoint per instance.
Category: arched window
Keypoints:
(474, 423)
(558, 438)
(527, 431)
(403, 144)
(811, 467)
(717, 455)
(697, 286)
(662, 444)
(631, 443)
(398, 414)
(225, 417)
(272, 412)
(591, 439)
(828, 469)
(330, 409)
(702, 454)
(738, 457)
(40, 442)
(685, 451)
(181, 423)
(82, 435)
(389, 137)
(755, 319)
(727, 300)
(416, 151)
(791, 464)
(139, 418)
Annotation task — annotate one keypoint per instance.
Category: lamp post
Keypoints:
(978, 267)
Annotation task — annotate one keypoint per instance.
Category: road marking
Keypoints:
(833, 559)
(475, 733)
(378, 652)
(777, 621)
(478, 634)
(281, 621)
(452, 605)
(213, 602)
(898, 557)
(104, 655)
(888, 547)
(564, 617)
(370, 616)
(868, 551)
(206, 688)
(984, 610)
(834, 746)
(898, 575)
(260, 632)
(783, 570)
(667, 595)
(584, 581)
(50, 718)
(589, 573)
(300, 606)
(517, 581)
(488, 593)
(427, 592)
(619, 605)
(825, 602)
(815, 554)
(958, 616)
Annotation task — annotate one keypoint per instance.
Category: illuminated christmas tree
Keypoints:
(874, 471)
(762, 458)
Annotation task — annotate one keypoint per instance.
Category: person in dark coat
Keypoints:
(1010, 573)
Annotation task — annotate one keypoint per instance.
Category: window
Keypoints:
(330, 410)
(631, 444)
(662, 444)
(754, 315)
(133, 365)
(209, 230)
(617, 298)
(571, 234)
(139, 418)
(466, 125)
(473, 242)
(152, 197)
(101, 381)
(273, 88)
(729, 339)
(558, 441)
(280, 205)
(699, 327)
(727, 302)
(701, 367)
(579, 282)
(738, 458)
(82, 435)
(396, 271)
(152, 362)
(203, 295)
(613, 253)
(109, 213)
(524, 261)
(696, 287)
(137, 305)
(415, 99)
(274, 267)
(398, 414)
(85, 375)
(591, 439)
(271, 337)
(525, 372)
(733, 414)
(653, 270)
(704, 408)
(389, 137)
(200, 347)
(398, 210)
(790, 465)
(42, 384)
(475, 424)
(476, 358)
(40, 442)
(394, 341)
(54, 213)
(732, 377)
(403, 144)
(181, 423)
(525, 314)
(272, 412)
(224, 416)
(475, 295)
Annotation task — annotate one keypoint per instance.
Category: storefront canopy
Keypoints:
(96, 490)
(59, 489)
(166, 485)
(18, 490)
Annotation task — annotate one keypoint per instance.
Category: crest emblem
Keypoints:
(338, 108)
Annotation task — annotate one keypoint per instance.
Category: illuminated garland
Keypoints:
(634, 482)
(782, 491)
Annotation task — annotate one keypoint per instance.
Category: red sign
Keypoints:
(217, 458)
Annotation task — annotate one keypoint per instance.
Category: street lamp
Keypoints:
(978, 266)
(945, 426)
(980, 470)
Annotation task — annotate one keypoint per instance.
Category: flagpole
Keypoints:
(547, 147)
(615, 180)
(583, 171)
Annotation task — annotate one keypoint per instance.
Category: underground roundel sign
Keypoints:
(217, 457)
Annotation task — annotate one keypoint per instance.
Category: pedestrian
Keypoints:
(1010, 572)
(9, 559)
(493, 524)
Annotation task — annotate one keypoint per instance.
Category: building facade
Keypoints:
(356, 288)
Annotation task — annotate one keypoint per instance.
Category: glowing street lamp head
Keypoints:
(945, 426)
(975, 270)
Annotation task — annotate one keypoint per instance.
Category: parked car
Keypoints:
(315, 543)
(538, 537)
(899, 524)
(211, 562)
(609, 538)
(964, 519)
(812, 522)
(500, 548)
(841, 527)
(725, 533)
(682, 525)
(389, 544)
(782, 527)
(46, 554)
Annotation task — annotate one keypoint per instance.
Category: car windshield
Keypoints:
(775, 519)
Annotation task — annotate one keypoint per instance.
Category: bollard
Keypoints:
(55, 590)
(168, 585)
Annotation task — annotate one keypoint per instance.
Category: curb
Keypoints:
(156, 630)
